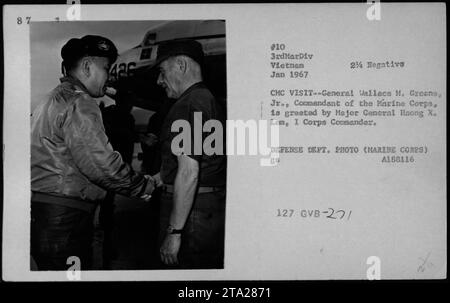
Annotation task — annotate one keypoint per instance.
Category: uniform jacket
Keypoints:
(70, 153)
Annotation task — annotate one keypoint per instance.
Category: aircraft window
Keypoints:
(150, 39)
(145, 54)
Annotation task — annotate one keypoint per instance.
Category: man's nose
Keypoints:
(159, 80)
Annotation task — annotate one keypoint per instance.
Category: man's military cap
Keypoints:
(187, 47)
(90, 45)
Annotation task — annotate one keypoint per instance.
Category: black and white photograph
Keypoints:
(108, 193)
(225, 143)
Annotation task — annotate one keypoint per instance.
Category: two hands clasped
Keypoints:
(152, 183)
(172, 242)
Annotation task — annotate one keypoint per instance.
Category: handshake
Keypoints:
(152, 183)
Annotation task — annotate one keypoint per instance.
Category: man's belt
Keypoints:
(63, 201)
(200, 189)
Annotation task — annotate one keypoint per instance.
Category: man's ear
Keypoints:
(182, 64)
(85, 65)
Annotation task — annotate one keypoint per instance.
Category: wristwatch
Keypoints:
(172, 231)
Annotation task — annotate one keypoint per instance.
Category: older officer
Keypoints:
(72, 161)
(193, 205)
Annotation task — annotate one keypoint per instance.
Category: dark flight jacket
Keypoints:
(71, 155)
